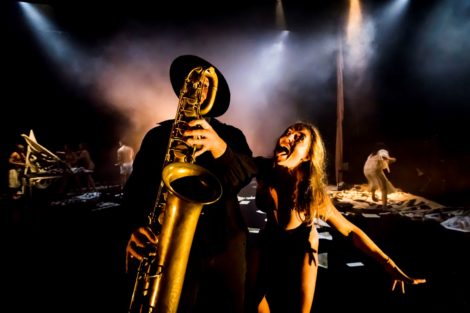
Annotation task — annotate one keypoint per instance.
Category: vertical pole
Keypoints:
(339, 116)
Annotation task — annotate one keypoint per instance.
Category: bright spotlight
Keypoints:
(52, 40)
(280, 17)
(392, 12)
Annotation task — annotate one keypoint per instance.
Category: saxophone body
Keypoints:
(185, 188)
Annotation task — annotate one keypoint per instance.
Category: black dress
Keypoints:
(281, 253)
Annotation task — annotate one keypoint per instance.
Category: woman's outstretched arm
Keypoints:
(363, 242)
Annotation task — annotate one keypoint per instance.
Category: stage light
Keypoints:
(38, 16)
(392, 13)
(280, 16)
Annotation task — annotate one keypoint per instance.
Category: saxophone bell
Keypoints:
(190, 187)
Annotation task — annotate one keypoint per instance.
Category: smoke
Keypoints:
(442, 45)
(277, 78)
(359, 49)
(267, 73)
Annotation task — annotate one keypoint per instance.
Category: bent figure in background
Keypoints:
(374, 169)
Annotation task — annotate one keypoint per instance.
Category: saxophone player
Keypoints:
(216, 268)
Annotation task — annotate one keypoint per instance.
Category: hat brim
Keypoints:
(180, 68)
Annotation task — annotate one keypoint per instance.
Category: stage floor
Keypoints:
(67, 255)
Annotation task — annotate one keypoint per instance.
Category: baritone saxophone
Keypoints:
(185, 188)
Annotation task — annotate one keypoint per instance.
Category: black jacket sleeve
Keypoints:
(140, 191)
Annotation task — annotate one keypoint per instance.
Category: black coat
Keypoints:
(234, 169)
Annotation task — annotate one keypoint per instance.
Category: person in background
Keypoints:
(292, 191)
(86, 166)
(125, 158)
(216, 269)
(374, 169)
(71, 176)
(17, 163)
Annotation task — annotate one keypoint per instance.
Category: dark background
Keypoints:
(414, 96)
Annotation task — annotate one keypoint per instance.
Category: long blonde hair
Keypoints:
(312, 196)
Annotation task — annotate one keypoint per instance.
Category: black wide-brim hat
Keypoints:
(180, 68)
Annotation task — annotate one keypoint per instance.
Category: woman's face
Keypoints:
(292, 147)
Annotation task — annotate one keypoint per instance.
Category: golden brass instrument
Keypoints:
(185, 188)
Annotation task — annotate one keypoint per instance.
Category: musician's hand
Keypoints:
(205, 138)
(142, 243)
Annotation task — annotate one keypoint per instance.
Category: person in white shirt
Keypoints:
(125, 158)
(374, 169)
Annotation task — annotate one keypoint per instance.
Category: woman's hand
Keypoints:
(400, 278)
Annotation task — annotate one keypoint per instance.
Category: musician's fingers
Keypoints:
(131, 252)
(200, 151)
(136, 240)
(132, 255)
(149, 235)
(201, 134)
(196, 133)
(201, 122)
